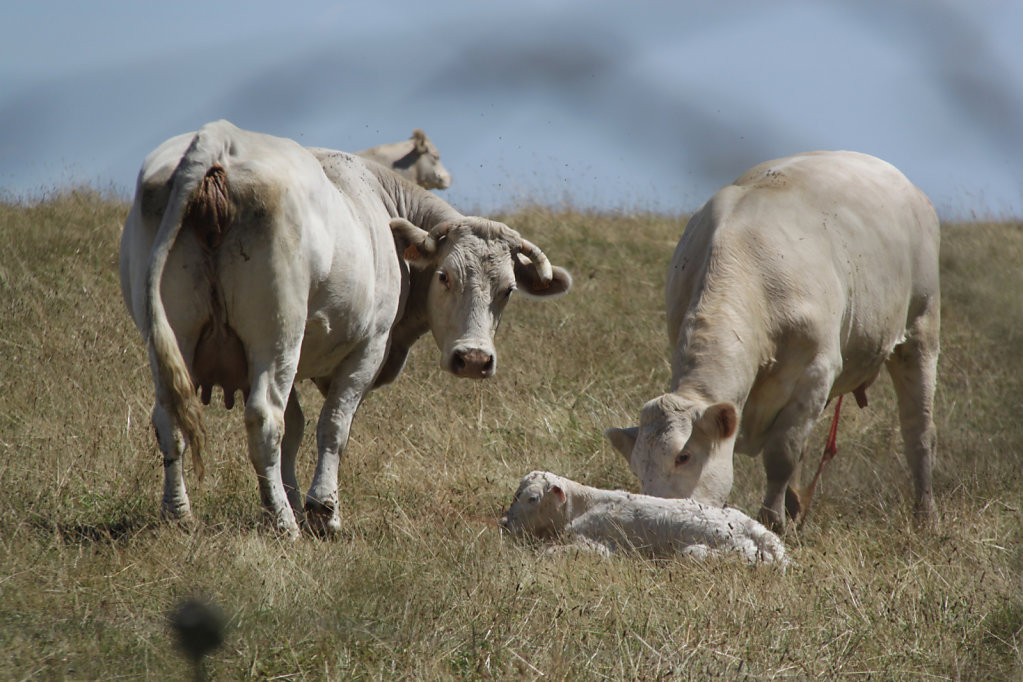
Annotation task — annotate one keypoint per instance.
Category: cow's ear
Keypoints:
(414, 243)
(623, 440)
(720, 421)
(530, 284)
(558, 493)
(419, 140)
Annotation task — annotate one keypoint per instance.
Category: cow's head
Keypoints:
(474, 265)
(423, 163)
(538, 508)
(681, 448)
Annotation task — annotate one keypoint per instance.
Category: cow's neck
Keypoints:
(413, 320)
(400, 157)
(404, 199)
(407, 200)
(385, 154)
(411, 323)
(718, 354)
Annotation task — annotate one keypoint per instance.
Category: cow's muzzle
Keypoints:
(509, 525)
(472, 363)
(441, 181)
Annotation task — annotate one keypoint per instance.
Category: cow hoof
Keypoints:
(925, 515)
(281, 524)
(295, 502)
(180, 516)
(322, 520)
(771, 520)
(793, 503)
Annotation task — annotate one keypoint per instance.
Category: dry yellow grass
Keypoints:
(422, 585)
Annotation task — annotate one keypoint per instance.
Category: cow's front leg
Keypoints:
(348, 385)
(780, 468)
(175, 506)
(264, 425)
(783, 451)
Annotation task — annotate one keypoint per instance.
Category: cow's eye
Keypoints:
(681, 458)
(508, 292)
(442, 276)
(533, 499)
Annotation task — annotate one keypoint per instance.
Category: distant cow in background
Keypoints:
(606, 521)
(249, 263)
(415, 159)
(790, 287)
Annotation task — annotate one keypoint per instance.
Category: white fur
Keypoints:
(415, 159)
(606, 521)
(793, 285)
(309, 276)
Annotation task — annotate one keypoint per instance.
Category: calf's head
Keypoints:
(681, 448)
(474, 266)
(538, 507)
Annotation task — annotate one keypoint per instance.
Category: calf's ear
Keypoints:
(558, 493)
(720, 421)
(623, 440)
(530, 283)
(414, 243)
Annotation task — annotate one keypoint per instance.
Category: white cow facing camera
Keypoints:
(552, 507)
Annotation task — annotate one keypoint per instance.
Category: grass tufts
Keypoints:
(422, 585)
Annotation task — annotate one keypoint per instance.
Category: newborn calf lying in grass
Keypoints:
(550, 506)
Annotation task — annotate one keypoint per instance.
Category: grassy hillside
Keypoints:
(422, 584)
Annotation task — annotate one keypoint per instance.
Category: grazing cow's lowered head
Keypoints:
(682, 448)
(538, 507)
(464, 272)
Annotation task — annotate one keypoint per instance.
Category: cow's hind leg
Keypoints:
(294, 427)
(175, 505)
(348, 385)
(913, 367)
(264, 425)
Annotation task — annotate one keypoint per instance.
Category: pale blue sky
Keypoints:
(644, 105)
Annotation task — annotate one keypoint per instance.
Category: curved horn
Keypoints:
(440, 231)
(533, 253)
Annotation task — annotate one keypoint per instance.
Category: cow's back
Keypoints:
(300, 259)
(820, 248)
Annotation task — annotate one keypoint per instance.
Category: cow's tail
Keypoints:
(199, 199)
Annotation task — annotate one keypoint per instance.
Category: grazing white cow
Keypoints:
(415, 159)
(790, 287)
(249, 263)
(550, 506)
